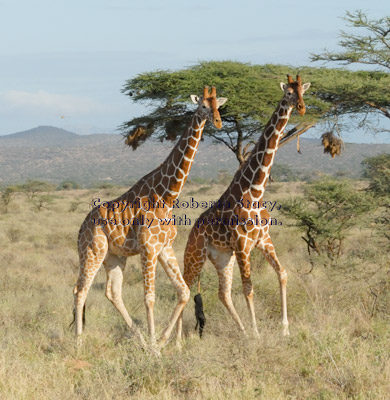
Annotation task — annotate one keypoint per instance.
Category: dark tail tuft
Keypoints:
(199, 314)
(74, 317)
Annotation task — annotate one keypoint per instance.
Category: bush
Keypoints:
(68, 185)
(377, 170)
(328, 209)
(283, 173)
(6, 195)
(31, 188)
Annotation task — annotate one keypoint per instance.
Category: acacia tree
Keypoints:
(369, 47)
(328, 209)
(253, 92)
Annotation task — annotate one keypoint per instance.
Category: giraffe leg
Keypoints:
(224, 263)
(243, 260)
(195, 256)
(91, 262)
(169, 262)
(268, 249)
(115, 266)
(149, 262)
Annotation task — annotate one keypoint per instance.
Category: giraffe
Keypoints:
(234, 225)
(134, 224)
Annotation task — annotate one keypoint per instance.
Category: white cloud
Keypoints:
(48, 102)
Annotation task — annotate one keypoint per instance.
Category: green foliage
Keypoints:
(328, 209)
(368, 94)
(31, 188)
(224, 177)
(6, 195)
(377, 170)
(371, 48)
(42, 201)
(283, 173)
(102, 185)
(383, 220)
(68, 185)
(253, 93)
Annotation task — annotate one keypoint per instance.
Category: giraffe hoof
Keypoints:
(179, 345)
(155, 351)
(162, 341)
(286, 332)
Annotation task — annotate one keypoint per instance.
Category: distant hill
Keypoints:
(53, 154)
(40, 136)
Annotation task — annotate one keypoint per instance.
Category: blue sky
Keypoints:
(63, 63)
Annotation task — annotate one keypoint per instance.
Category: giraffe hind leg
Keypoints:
(114, 267)
(195, 256)
(224, 263)
(89, 267)
(268, 249)
(169, 262)
(74, 317)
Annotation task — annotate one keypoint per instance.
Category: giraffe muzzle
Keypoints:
(218, 123)
(301, 109)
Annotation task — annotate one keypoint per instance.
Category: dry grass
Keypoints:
(338, 349)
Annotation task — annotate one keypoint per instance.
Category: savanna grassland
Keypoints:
(339, 314)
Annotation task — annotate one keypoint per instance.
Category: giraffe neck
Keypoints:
(175, 169)
(255, 172)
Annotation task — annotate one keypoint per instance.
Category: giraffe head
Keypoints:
(293, 93)
(208, 106)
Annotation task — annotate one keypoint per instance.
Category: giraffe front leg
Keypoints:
(149, 261)
(268, 249)
(243, 260)
(169, 262)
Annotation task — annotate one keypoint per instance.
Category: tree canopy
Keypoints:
(253, 93)
(370, 46)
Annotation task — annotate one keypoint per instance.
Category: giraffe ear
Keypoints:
(283, 86)
(305, 86)
(195, 98)
(221, 101)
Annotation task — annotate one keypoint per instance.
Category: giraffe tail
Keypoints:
(199, 313)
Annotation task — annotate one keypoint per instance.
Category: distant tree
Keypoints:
(6, 195)
(68, 185)
(103, 185)
(224, 177)
(253, 92)
(31, 188)
(326, 212)
(283, 173)
(377, 170)
(43, 201)
(371, 46)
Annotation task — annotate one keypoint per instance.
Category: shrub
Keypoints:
(377, 170)
(328, 209)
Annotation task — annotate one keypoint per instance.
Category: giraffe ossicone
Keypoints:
(111, 244)
(223, 243)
